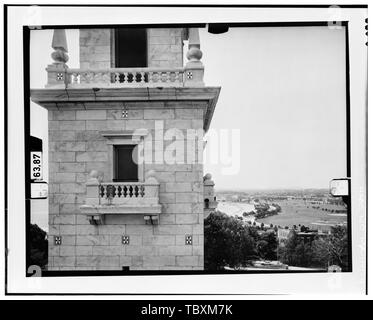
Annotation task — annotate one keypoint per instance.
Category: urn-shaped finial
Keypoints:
(59, 44)
(194, 53)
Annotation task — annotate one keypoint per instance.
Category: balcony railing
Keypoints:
(123, 77)
(128, 77)
(121, 198)
(138, 193)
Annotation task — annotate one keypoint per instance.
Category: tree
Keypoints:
(261, 248)
(332, 249)
(320, 253)
(228, 242)
(267, 245)
(296, 251)
(38, 246)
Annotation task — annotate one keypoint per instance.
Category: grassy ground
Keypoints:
(296, 212)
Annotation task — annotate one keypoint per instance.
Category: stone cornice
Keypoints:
(89, 98)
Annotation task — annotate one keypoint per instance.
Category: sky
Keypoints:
(284, 89)
(282, 100)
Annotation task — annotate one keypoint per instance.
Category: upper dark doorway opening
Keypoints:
(130, 47)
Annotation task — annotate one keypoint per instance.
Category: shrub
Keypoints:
(38, 246)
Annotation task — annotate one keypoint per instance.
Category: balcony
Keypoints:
(122, 198)
(60, 76)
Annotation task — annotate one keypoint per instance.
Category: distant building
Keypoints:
(283, 235)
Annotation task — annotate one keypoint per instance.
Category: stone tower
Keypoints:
(126, 185)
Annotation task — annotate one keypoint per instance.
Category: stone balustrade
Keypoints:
(121, 198)
(122, 77)
(129, 77)
(127, 193)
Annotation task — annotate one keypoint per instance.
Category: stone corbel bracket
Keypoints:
(151, 219)
(96, 219)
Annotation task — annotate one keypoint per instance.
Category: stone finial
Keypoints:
(150, 177)
(207, 180)
(194, 68)
(93, 178)
(59, 44)
(194, 53)
(207, 176)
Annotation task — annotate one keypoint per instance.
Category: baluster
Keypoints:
(159, 76)
(119, 191)
(89, 77)
(136, 191)
(96, 77)
(116, 77)
(83, 77)
(110, 191)
(106, 77)
(125, 77)
(142, 77)
(102, 191)
(142, 191)
(131, 191)
(168, 76)
(125, 191)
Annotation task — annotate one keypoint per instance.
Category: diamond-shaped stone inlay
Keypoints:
(188, 239)
(125, 239)
(189, 75)
(59, 76)
(57, 240)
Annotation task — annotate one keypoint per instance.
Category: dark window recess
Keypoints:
(125, 166)
(130, 48)
(207, 203)
(36, 144)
